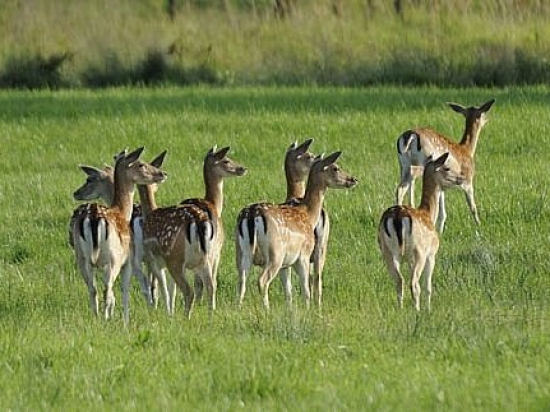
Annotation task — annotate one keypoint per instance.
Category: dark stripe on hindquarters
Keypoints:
(405, 137)
(94, 225)
(398, 217)
(251, 223)
(201, 230)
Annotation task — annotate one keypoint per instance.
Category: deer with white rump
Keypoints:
(416, 145)
(298, 162)
(101, 234)
(190, 236)
(406, 233)
(99, 184)
(282, 236)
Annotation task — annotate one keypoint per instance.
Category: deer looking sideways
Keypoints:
(100, 185)
(190, 235)
(408, 233)
(101, 234)
(416, 145)
(282, 236)
(298, 162)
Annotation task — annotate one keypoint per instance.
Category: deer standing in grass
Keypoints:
(406, 233)
(101, 234)
(281, 236)
(100, 185)
(190, 236)
(298, 162)
(416, 145)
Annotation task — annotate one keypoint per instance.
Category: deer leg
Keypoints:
(126, 277)
(265, 279)
(199, 287)
(244, 264)
(144, 283)
(208, 280)
(469, 191)
(302, 270)
(286, 281)
(177, 269)
(109, 277)
(394, 268)
(416, 270)
(441, 213)
(319, 255)
(87, 273)
(405, 185)
(428, 271)
(171, 295)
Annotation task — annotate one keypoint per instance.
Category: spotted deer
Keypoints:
(99, 184)
(406, 233)
(101, 235)
(298, 161)
(190, 236)
(415, 145)
(281, 236)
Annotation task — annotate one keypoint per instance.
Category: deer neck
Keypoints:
(295, 189)
(147, 199)
(123, 195)
(430, 197)
(109, 194)
(470, 137)
(214, 191)
(313, 200)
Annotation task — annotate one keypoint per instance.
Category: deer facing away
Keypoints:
(416, 145)
(298, 162)
(101, 234)
(281, 236)
(406, 233)
(99, 184)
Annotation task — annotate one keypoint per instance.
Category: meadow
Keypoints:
(484, 346)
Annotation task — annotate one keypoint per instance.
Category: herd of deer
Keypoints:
(120, 236)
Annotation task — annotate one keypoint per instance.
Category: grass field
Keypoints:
(484, 346)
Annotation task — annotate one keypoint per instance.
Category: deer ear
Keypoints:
(121, 154)
(485, 107)
(159, 160)
(220, 154)
(457, 108)
(132, 157)
(330, 159)
(304, 147)
(90, 170)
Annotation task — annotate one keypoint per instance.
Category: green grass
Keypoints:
(484, 346)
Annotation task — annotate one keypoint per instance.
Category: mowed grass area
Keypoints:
(484, 346)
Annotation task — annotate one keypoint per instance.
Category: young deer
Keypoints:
(100, 185)
(101, 234)
(298, 161)
(408, 233)
(416, 145)
(281, 236)
(190, 235)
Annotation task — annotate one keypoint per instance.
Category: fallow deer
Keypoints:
(282, 236)
(298, 161)
(415, 145)
(406, 233)
(100, 185)
(190, 236)
(101, 234)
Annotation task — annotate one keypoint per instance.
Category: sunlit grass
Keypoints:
(484, 346)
